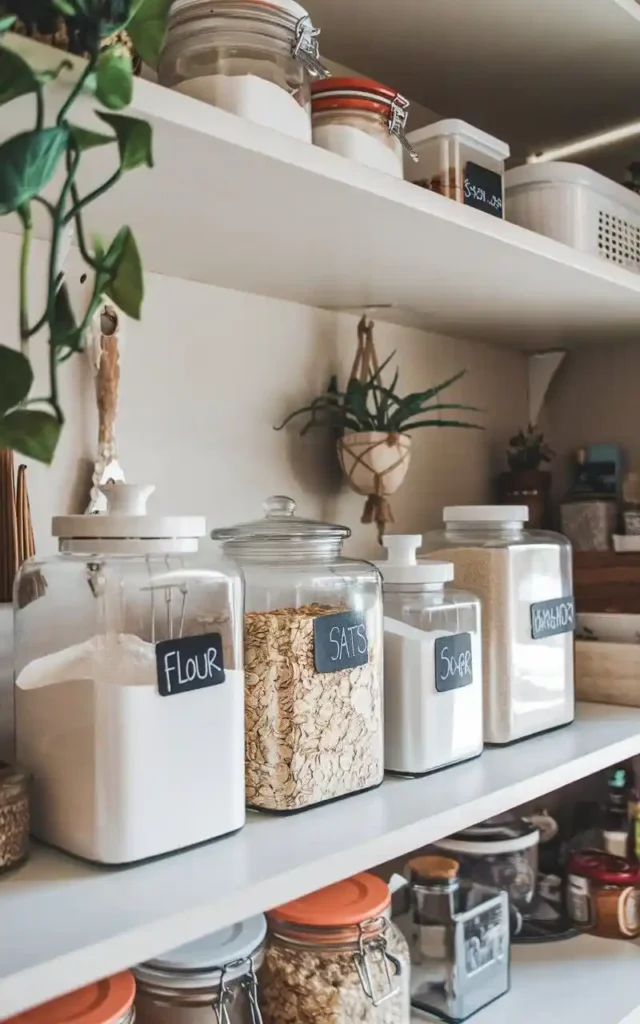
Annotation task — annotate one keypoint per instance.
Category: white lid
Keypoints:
(493, 837)
(402, 566)
(201, 962)
(467, 132)
(126, 528)
(485, 514)
(559, 172)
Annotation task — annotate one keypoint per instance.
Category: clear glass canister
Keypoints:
(524, 580)
(336, 957)
(210, 981)
(250, 57)
(109, 1001)
(313, 655)
(14, 816)
(432, 663)
(362, 121)
(129, 692)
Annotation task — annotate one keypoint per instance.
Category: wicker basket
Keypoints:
(608, 673)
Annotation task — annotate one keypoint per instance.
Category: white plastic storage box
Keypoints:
(578, 206)
(460, 162)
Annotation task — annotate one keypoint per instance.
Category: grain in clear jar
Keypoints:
(14, 816)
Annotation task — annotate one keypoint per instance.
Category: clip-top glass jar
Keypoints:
(251, 57)
(524, 580)
(129, 690)
(603, 894)
(109, 1001)
(335, 956)
(313, 656)
(210, 981)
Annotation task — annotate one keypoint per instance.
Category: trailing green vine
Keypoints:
(31, 424)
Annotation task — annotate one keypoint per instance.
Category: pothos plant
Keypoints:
(54, 148)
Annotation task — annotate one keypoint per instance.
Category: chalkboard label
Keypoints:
(483, 189)
(340, 641)
(454, 663)
(549, 618)
(189, 664)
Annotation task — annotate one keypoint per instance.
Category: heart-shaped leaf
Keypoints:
(16, 77)
(64, 331)
(122, 262)
(134, 139)
(31, 432)
(16, 378)
(147, 28)
(86, 139)
(7, 21)
(114, 78)
(27, 164)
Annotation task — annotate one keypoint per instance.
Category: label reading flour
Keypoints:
(550, 618)
(454, 664)
(340, 641)
(191, 663)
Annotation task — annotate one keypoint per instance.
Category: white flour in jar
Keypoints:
(121, 773)
(356, 144)
(253, 98)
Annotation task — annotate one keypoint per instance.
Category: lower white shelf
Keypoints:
(580, 981)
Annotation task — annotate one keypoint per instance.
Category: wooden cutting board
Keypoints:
(606, 582)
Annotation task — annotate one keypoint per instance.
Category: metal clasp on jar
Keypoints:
(248, 982)
(371, 951)
(398, 114)
(306, 48)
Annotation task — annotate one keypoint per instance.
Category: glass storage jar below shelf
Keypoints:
(129, 692)
(109, 1001)
(313, 655)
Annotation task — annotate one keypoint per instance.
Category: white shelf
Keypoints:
(244, 207)
(580, 981)
(71, 923)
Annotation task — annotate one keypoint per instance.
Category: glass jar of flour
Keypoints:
(250, 57)
(313, 656)
(432, 663)
(524, 581)
(129, 691)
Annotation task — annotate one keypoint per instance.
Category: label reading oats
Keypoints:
(340, 642)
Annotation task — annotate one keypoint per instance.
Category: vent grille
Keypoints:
(619, 241)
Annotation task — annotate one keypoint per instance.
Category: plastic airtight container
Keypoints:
(210, 981)
(109, 1001)
(462, 163)
(362, 121)
(524, 581)
(313, 655)
(432, 663)
(250, 57)
(129, 691)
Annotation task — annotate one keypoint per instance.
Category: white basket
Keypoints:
(578, 206)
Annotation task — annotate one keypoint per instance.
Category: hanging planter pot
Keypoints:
(375, 465)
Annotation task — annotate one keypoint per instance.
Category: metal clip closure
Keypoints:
(397, 123)
(306, 48)
(372, 952)
(247, 982)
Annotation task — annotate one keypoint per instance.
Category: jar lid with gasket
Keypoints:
(109, 1001)
(604, 868)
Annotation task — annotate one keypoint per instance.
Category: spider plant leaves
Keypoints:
(440, 423)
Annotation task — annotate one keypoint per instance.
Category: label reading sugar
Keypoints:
(549, 618)
(483, 189)
(454, 663)
(340, 641)
(190, 663)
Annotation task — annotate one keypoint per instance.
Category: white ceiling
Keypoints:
(533, 72)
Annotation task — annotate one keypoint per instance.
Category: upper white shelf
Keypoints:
(244, 207)
(71, 923)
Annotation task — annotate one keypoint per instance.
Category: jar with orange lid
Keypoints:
(109, 1001)
(603, 894)
(335, 956)
(362, 121)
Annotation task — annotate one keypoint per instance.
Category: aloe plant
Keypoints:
(370, 406)
(31, 424)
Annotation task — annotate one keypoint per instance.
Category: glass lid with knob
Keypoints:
(281, 529)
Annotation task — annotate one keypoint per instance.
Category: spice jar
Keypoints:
(362, 121)
(129, 692)
(14, 816)
(109, 1001)
(250, 57)
(432, 663)
(335, 956)
(210, 981)
(313, 656)
(603, 894)
(524, 581)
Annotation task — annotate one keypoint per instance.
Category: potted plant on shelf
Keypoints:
(526, 483)
(373, 424)
(54, 148)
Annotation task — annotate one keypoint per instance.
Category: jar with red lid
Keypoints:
(362, 121)
(109, 1001)
(335, 956)
(603, 894)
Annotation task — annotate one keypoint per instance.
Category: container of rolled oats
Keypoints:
(313, 661)
(336, 956)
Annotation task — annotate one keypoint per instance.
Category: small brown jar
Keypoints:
(14, 816)
(603, 894)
